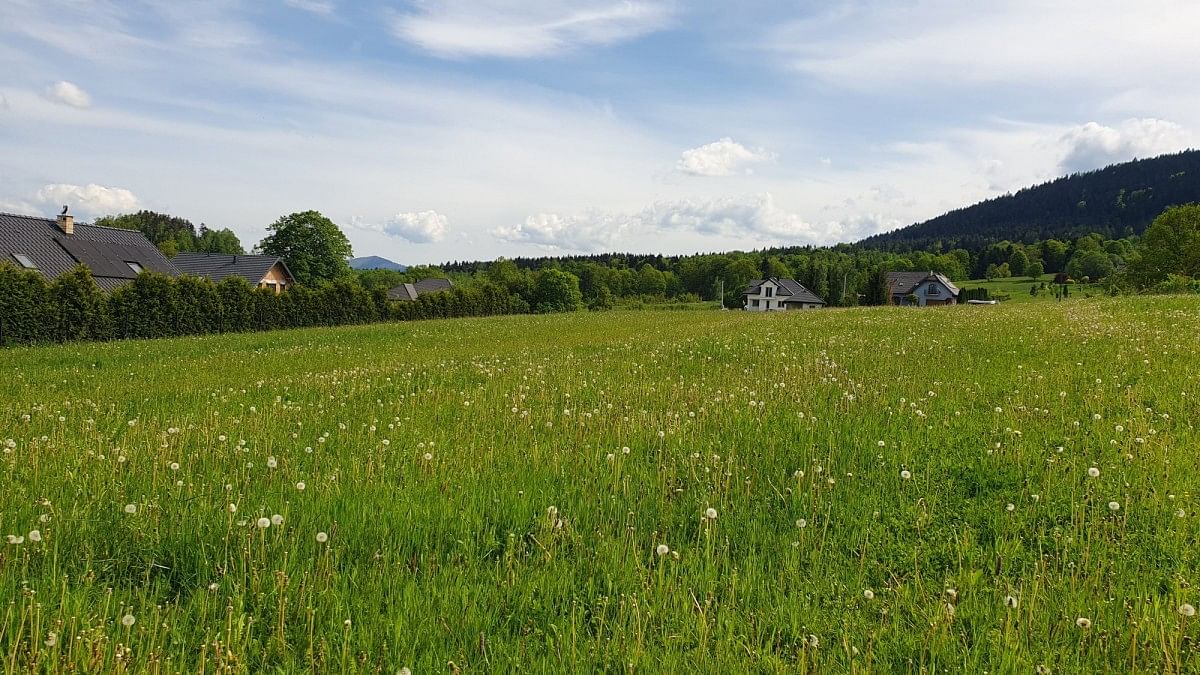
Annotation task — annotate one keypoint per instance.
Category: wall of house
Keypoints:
(765, 303)
(802, 305)
(276, 278)
(929, 293)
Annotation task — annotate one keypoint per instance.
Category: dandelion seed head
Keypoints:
(322, 537)
(35, 535)
(263, 523)
(1083, 622)
(869, 594)
(662, 549)
(131, 508)
(710, 513)
(1093, 472)
(128, 620)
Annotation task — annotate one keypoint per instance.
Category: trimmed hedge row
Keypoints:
(153, 305)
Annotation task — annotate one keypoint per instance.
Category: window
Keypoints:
(754, 303)
(768, 291)
(25, 261)
(137, 269)
(933, 290)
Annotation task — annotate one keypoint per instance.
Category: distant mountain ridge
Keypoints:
(1115, 201)
(374, 262)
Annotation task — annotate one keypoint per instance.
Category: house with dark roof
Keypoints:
(921, 289)
(779, 295)
(53, 247)
(410, 292)
(262, 271)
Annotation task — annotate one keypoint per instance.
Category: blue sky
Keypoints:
(435, 130)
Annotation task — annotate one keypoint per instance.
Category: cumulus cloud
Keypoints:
(88, 200)
(1093, 146)
(419, 228)
(755, 218)
(722, 158)
(526, 28)
(68, 93)
(323, 7)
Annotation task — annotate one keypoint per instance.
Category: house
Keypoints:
(53, 247)
(262, 271)
(409, 292)
(921, 289)
(778, 295)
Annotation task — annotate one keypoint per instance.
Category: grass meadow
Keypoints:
(1009, 489)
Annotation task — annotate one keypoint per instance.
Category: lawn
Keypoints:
(959, 489)
(1018, 288)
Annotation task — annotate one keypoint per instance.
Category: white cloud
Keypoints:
(526, 28)
(419, 228)
(322, 7)
(68, 93)
(721, 158)
(898, 44)
(754, 219)
(1093, 146)
(88, 200)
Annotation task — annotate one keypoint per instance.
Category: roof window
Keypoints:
(137, 269)
(25, 261)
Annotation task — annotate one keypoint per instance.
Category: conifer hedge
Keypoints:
(72, 307)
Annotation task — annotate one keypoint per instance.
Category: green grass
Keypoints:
(481, 508)
(1018, 288)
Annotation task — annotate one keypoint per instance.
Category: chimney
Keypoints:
(66, 223)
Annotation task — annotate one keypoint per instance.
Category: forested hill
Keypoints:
(1116, 201)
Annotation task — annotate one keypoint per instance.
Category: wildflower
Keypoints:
(428, 456)
(263, 523)
(952, 593)
(802, 523)
(404, 671)
(128, 620)
(1114, 506)
(346, 623)
(1083, 622)
(813, 641)
(131, 508)
(51, 639)
(322, 537)
(214, 586)
(869, 594)
(611, 457)
(906, 474)
(174, 466)
(15, 539)
(1180, 513)
(272, 462)
(662, 549)
(300, 486)
(1042, 669)
(1010, 602)
(881, 444)
(1187, 610)
(710, 513)
(1010, 507)
(1093, 472)
(35, 535)
(277, 519)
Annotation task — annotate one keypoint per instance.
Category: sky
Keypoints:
(439, 130)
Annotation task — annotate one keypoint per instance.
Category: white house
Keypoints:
(921, 289)
(779, 295)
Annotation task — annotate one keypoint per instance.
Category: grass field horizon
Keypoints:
(1006, 488)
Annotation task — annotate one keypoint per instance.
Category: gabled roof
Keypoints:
(791, 289)
(217, 266)
(903, 283)
(105, 250)
(418, 288)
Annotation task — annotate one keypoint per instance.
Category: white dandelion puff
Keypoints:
(276, 519)
(1187, 610)
(905, 474)
(322, 537)
(263, 523)
(35, 535)
(1093, 472)
(710, 513)
(1114, 506)
(869, 594)
(1083, 622)
(128, 620)
(1010, 602)
(131, 508)
(662, 549)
